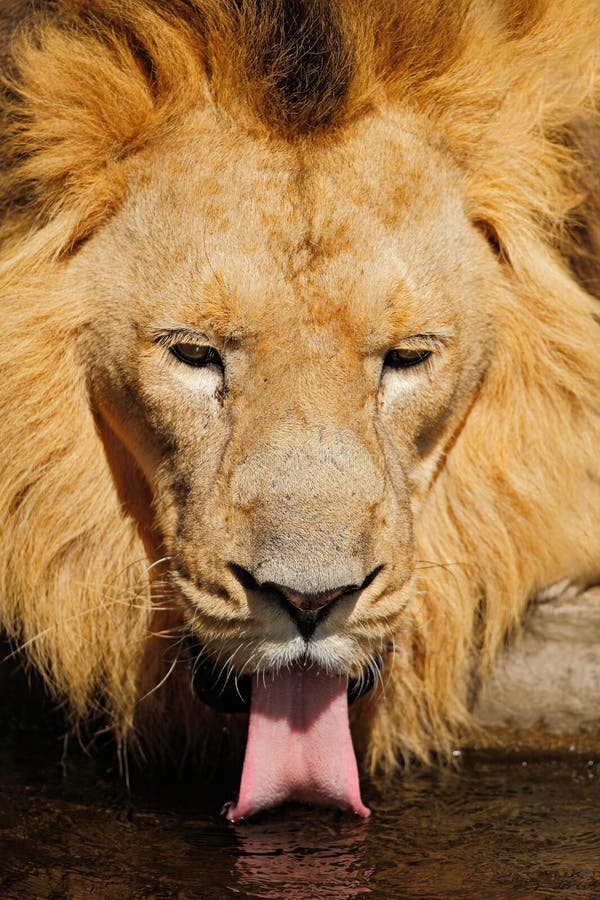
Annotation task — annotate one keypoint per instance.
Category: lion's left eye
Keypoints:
(405, 358)
(196, 354)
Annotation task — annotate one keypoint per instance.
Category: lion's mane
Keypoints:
(512, 89)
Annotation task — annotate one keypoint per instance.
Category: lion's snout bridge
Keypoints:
(307, 508)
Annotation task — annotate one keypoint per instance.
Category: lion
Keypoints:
(300, 365)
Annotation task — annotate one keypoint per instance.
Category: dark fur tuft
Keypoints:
(303, 58)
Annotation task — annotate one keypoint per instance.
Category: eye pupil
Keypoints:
(406, 358)
(196, 355)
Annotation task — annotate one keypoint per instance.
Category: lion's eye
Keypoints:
(405, 358)
(198, 355)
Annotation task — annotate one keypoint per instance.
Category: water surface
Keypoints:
(502, 826)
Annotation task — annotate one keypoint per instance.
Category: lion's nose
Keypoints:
(311, 603)
(307, 610)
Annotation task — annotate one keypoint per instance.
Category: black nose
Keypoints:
(307, 610)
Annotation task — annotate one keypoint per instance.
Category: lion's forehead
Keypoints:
(261, 232)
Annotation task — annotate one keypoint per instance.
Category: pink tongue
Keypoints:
(299, 745)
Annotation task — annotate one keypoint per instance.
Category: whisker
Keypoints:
(161, 682)
(100, 607)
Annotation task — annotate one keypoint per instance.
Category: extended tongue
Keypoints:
(299, 745)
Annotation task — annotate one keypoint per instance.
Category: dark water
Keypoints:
(500, 827)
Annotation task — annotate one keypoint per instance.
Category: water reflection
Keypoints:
(295, 857)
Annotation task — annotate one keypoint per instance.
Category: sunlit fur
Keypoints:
(510, 90)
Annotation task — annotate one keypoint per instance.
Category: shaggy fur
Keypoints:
(510, 91)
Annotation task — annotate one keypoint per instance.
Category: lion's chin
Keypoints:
(299, 745)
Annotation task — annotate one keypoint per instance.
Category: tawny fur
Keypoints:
(511, 90)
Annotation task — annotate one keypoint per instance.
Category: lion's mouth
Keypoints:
(299, 744)
(226, 692)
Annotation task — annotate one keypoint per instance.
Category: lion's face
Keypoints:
(286, 339)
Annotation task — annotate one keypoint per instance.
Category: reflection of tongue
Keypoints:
(299, 745)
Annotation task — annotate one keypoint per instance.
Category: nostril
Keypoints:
(245, 578)
(371, 578)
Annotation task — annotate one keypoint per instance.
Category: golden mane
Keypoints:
(512, 89)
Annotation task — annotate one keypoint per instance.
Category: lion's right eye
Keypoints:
(199, 355)
(406, 358)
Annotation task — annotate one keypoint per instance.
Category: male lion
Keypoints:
(300, 368)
